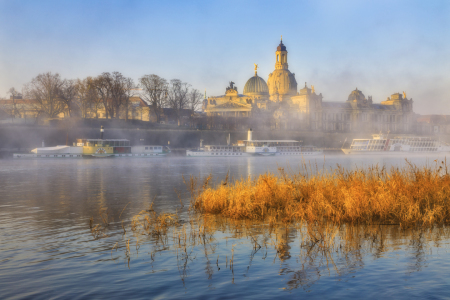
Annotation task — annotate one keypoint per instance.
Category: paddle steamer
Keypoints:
(85, 148)
(252, 147)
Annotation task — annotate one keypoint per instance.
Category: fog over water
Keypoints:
(48, 250)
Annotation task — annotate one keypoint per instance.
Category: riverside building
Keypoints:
(287, 107)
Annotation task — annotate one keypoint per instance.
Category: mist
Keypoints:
(380, 47)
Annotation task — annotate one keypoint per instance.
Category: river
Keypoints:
(49, 250)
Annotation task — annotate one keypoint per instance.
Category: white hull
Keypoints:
(55, 155)
(312, 153)
(252, 147)
(140, 154)
(242, 154)
(215, 154)
(68, 155)
(97, 148)
(393, 153)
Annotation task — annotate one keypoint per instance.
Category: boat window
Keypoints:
(146, 148)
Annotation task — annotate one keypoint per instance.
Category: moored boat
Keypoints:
(97, 148)
(252, 147)
(382, 145)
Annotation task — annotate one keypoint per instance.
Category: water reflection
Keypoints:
(66, 231)
(304, 253)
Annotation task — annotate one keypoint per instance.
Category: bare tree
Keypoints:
(103, 85)
(14, 94)
(68, 94)
(178, 97)
(114, 89)
(87, 97)
(194, 103)
(11, 106)
(45, 89)
(155, 91)
(195, 99)
(128, 85)
(119, 96)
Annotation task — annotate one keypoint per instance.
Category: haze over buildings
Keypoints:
(381, 47)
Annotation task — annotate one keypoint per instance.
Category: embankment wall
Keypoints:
(26, 137)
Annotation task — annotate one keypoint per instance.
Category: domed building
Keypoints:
(256, 87)
(356, 96)
(356, 99)
(285, 107)
(282, 84)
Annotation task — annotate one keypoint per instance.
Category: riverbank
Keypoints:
(29, 137)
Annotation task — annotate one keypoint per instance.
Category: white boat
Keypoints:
(252, 147)
(381, 144)
(61, 151)
(97, 148)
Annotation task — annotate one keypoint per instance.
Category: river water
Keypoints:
(62, 235)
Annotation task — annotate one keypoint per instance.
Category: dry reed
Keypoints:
(407, 196)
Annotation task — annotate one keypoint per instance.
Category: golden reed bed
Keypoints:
(407, 196)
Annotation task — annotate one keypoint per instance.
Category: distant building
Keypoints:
(138, 109)
(19, 108)
(433, 124)
(287, 108)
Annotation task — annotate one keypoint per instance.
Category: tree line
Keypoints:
(109, 92)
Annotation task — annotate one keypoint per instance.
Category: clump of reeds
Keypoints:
(153, 223)
(407, 196)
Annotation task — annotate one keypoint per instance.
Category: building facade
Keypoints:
(288, 107)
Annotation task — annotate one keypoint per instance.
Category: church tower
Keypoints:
(281, 83)
(281, 57)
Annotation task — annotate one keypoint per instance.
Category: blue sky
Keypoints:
(381, 47)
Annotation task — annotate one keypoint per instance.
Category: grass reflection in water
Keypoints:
(304, 251)
(313, 224)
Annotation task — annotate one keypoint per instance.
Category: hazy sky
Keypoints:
(381, 47)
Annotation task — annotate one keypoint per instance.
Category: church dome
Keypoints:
(256, 85)
(282, 82)
(356, 95)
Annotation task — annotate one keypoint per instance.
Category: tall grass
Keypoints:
(407, 196)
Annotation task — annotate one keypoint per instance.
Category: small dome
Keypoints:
(256, 85)
(281, 47)
(356, 95)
